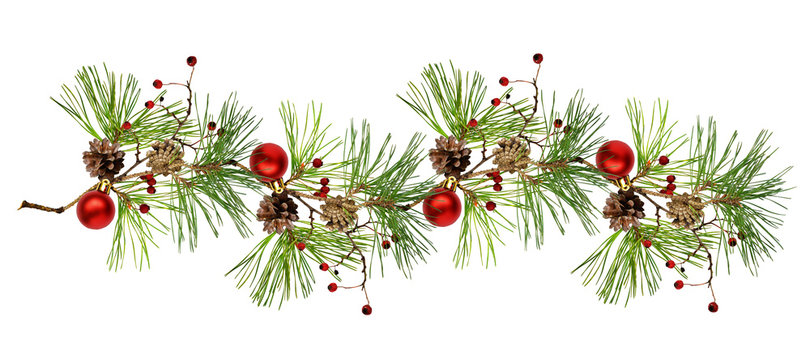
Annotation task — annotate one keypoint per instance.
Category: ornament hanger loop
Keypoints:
(104, 186)
(450, 183)
(278, 186)
(623, 183)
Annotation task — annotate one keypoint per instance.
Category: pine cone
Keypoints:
(278, 212)
(339, 213)
(624, 209)
(450, 157)
(165, 158)
(511, 155)
(104, 159)
(685, 210)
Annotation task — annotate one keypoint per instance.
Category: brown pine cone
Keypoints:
(104, 159)
(339, 213)
(278, 212)
(685, 210)
(511, 155)
(450, 157)
(624, 209)
(165, 158)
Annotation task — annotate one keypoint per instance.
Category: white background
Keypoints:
(744, 64)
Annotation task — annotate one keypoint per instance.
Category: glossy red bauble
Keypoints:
(442, 207)
(269, 161)
(616, 159)
(95, 209)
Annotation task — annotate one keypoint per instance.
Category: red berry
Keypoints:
(149, 176)
(332, 287)
(323, 194)
(663, 191)
(497, 187)
(300, 246)
(157, 84)
(317, 163)
(671, 179)
(324, 266)
(713, 307)
(126, 126)
(671, 187)
(366, 309)
(497, 179)
(495, 173)
(679, 284)
(151, 190)
(325, 181)
(663, 160)
(386, 244)
(503, 81)
(191, 60)
(472, 123)
(647, 243)
(558, 123)
(670, 264)
(324, 190)
(220, 132)
(151, 181)
(317, 193)
(490, 205)
(144, 208)
(669, 192)
(212, 126)
(149, 104)
(495, 102)
(566, 129)
(732, 242)
(537, 58)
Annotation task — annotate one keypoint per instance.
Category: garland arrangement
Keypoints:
(347, 203)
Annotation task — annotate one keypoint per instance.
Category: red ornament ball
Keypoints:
(537, 58)
(616, 159)
(663, 160)
(732, 242)
(325, 181)
(679, 284)
(670, 264)
(157, 84)
(300, 246)
(497, 187)
(713, 307)
(495, 102)
(95, 209)
(472, 123)
(442, 207)
(366, 309)
(212, 126)
(647, 243)
(324, 266)
(386, 244)
(144, 208)
(126, 126)
(332, 287)
(503, 81)
(191, 60)
(269, 161)
(317, 163)
(149, 104)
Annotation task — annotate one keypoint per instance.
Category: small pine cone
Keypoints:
(339, 213)
(278, 212)
(624, 209)
(104, 160)
(511, 155)
(450, 157)
(165, 158)
(686, 211)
